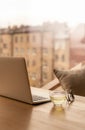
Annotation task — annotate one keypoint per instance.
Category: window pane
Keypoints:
(47, 33)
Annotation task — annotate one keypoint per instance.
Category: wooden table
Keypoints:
(16, 115)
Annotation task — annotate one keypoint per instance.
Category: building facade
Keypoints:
(77, 47)
(43, 47)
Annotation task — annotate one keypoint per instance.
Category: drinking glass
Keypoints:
(58, 97)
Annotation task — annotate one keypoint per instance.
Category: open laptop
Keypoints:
(14, 82)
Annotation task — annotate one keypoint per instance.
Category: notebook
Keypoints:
(14, 82)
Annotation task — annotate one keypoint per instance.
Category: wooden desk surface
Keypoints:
(16, 115)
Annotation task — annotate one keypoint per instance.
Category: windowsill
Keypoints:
(52, 85)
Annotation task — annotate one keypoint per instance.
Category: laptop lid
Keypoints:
(14, 81)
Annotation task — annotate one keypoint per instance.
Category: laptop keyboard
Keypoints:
(37, 98)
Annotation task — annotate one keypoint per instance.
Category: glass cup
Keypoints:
(58, 97)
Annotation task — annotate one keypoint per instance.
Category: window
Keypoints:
(27, 38)
(16, 51)
(21, 38)
(16, 39)
(33, 38)
(33, 76)
(22, 50)
(45, 64)
(57, 46)
(63, 43)
(34, 51)
(60, 44)
(28, 51)
(44, 76)
(27, 62)
(33, 63)
(45, 51)
(47, 37)
(1, 40)
(4, 45)
(63, 57)
(0, 50)
(56, 57)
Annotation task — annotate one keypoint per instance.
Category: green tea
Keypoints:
(58, 99)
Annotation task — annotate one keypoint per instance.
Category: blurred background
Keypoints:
(48, 33)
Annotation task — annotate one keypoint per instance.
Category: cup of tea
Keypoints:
(58, 97)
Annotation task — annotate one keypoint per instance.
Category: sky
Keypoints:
(34, 12)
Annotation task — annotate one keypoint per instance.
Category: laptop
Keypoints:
(14, 82)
